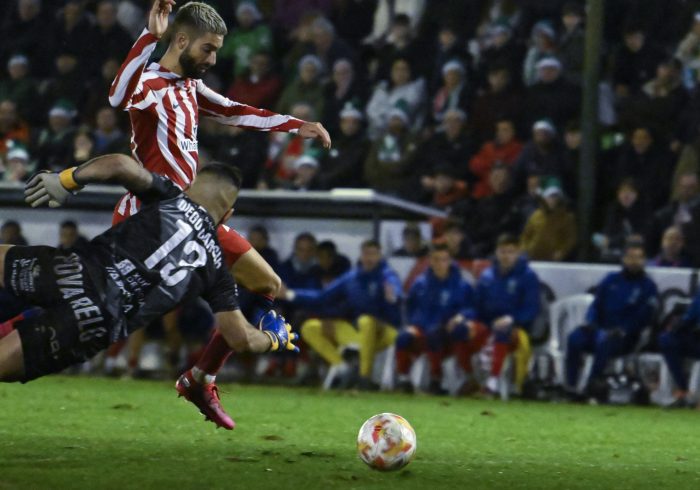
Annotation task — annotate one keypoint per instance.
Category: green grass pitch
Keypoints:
(82, 433)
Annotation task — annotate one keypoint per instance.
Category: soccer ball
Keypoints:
(386, 442)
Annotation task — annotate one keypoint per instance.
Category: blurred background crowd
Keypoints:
(471, 106)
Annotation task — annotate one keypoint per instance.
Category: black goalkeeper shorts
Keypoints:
(73, 325)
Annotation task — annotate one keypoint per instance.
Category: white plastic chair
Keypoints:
(565, 315)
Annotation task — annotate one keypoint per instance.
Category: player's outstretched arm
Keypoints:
(54, 187)
(274, 333)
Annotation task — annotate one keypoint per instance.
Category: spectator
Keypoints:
(344, 88)
(83, 146)
(55, 144)
(250, 36)
(17, 167)
(68, 82)
(11, 233)
(501, 48)
(342, 166)
(259, 238)
(26, 33)
(543, 44)
(386, 11)
(305, 174)
(108, 39)
(649, 164)
(12, 129)
(507, 301)
(399, 43)
(672, 248)
(450, 47)
(98, 89)
(572, 40)
(20, 88)
(331, 264)
(289, 14)
(625, 218)
(550, 233)
(299, 270)
(327, 46)
(678, 343)
(449, 147)
(543, 155)
(625, 304)
(446, 189)
(525, 205)
(634, 62)
(501, 101)
(70, 239)
(305, 88)
(551, 96)
(658, 102)
(108, 137)
(401, 88)
(372, 293)
(257, 85)
(683, 212)
(505, 149)
(284, 149)
(389, 166)
(435, 299)
(457, 241)
(688, 51)
(72, 31)
(454, 92)
(688, 163)
(412, 243)
(491, 215)
(572, 155)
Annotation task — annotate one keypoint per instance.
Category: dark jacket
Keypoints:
(432, 302)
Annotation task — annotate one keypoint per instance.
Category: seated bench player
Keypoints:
(130, 274)
(437, 296)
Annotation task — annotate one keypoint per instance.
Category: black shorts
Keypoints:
(74, 325)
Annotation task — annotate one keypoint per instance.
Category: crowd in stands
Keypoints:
(470, 106)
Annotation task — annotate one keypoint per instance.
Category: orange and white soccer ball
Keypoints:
(386, 442)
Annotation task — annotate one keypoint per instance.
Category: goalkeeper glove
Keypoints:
(279, 331)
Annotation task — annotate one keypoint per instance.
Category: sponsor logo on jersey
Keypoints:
(188, 145)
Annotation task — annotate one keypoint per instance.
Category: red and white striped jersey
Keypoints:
(164, 109)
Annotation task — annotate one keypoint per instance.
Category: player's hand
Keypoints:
(454, 321)
(279, 331)
(503, 323)
(45, 187)
(158, 17)
(315, 130)
(389, 293)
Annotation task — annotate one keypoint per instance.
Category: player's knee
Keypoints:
(310, 329)
(577, 337)
(366, 324)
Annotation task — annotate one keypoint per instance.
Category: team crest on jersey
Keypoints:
(444, 298)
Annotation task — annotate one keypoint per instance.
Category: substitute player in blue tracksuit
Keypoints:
(507, 302)
(436, 297)
(681, 341)
(371, 293)
(625, 303)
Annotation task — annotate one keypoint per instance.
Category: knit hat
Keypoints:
(548, 62)
(349, 110)
(251, 8)
(544, 27)
(453, 65)
(305, 160)
(500, 28)
(551, 187)
(64, 108)
(18, 59)
(313, 59)
(544, 125)
(18, 152)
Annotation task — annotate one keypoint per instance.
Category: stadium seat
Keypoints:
(565, 315)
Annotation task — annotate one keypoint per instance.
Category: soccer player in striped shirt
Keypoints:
(165, 100)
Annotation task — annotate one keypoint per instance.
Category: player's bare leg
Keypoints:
(11, 358)
(198, 384)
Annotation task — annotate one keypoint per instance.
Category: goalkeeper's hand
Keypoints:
(50, 187)
(279, 331)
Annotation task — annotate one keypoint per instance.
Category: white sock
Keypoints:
(492, 383)
(201, 377)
